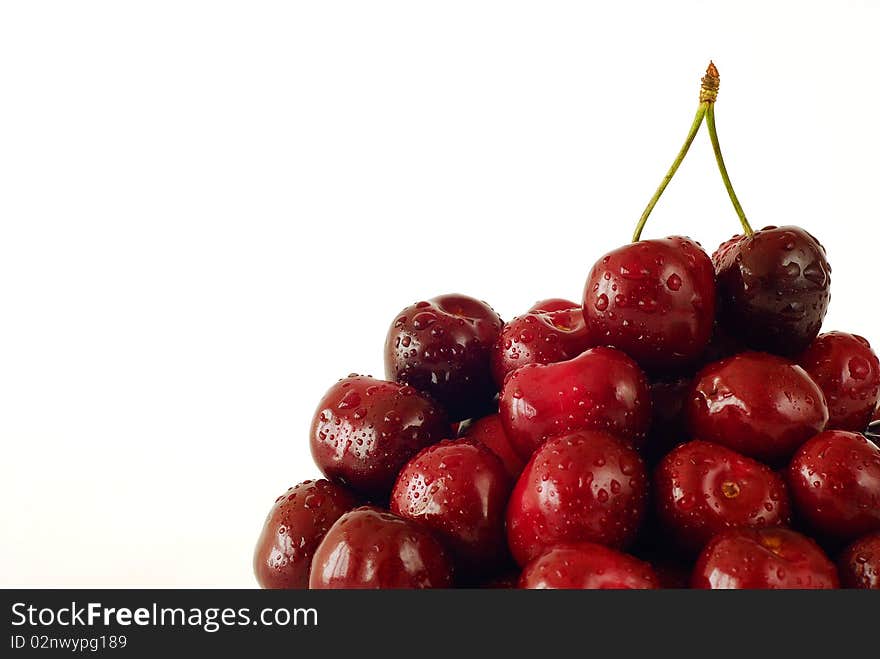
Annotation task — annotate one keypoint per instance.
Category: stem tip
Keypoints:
(710, 84)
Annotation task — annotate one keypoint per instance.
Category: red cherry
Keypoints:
(294, 527)
(848, 372)
(586, 485)
(601, 389)
(442, 347)
(771, 558)
(757, 404)
(489, 432)
(835, 484)
(859, 564)
(365, 430)
(459, 490)
(371, 548)
(773, 288)
(702, 489)
(587, 566)
(653, 299)
(540, 337)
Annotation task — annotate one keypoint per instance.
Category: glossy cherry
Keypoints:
(770, 558)
(859, 564)
(758, 404)
(490, 432)
(585, 486)
(774, 287)
(294, 527)
(848, 372)
(653, 299)
(703, 488)
(587, 566)
(601, 389)
(372, 548)
(550, 333)
(834, 481)
(443, 347)
(459, 490)
(364, 430)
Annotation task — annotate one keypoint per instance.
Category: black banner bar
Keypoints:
(135, 623)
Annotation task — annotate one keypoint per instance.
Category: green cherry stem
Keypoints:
(708, 94)
(713, 135)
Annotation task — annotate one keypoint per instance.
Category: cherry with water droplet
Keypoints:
(372, 548)
(293, 528)
(774, 287)
(600, 389)
(552, 331)
(770, 558)
(459, 490)
(757, 404)
(654, 300)
(848, 372)
(443, 348)
(702, 488)
(584, 486)
(364, 430)
(587, 566)
(859, 564)
(835, 484)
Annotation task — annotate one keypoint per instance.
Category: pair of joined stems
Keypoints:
(706, 111)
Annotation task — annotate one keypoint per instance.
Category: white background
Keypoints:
(212, 210)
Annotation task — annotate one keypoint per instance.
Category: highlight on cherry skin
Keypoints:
(686, 422)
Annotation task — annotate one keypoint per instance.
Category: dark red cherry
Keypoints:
(294, 527)
(702, 489)
(773, 288)
(365, 430)
(758, 404)
(601, 389)
(770, 558)
(834, 481)
(443, 347)
(848, 372)
(372, 548)
(585, 486)
(653, 299)
(489, 432)
(459, 490)
(552, 334)
(859, 564)
(587, 566)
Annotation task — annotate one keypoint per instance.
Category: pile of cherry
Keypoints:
(685, 425)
